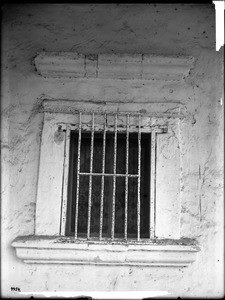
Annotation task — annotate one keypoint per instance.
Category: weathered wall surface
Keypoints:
(152, 29)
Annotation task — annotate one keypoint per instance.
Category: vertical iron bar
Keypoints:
(152, 185)
(139, 177)
(114, 178)
(78, 176)
(103, 180)
(126, 179)
(90, 178)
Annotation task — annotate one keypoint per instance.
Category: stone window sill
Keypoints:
(64, 250)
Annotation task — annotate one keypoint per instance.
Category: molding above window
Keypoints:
(43, 249)
(113, 66)
(152, 109)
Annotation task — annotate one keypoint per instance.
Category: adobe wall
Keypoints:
(167, 29)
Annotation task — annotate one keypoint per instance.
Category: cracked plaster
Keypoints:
(156, 29)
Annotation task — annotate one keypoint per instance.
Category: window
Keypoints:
(105, 185)
(110, 179)
(113, 198)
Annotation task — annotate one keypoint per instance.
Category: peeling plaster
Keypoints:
(137, 28)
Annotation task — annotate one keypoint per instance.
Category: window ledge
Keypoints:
(43, 249)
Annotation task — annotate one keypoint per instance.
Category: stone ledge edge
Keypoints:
(35, 249)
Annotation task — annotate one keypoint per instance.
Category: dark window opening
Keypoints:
(85, 151)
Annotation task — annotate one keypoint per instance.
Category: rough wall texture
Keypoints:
(106, 28)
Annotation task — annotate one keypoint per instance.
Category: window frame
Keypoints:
(60, 116)
(48, 245)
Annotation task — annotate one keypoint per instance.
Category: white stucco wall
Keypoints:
(109, 28)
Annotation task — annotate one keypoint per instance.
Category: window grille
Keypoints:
(113, 156)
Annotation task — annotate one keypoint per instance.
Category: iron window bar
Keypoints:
(90, 177)
(127, 175)
(152, 185)
(102, 179)
(104, 128)
(78, 177)
(139, 178)
(114, 179)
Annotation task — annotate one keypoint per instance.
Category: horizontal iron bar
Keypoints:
(110, 128)
(100, 128)
(106, 174)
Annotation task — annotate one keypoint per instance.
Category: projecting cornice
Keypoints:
(113, 66)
